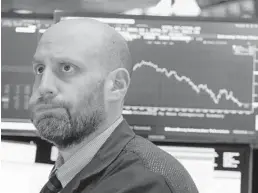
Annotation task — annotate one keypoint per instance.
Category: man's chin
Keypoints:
(57, 132)
(49, 127)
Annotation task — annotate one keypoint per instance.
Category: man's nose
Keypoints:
(47, 87)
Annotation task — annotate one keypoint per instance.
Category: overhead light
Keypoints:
(186, 8)
(23, 11)
(175, 7)
(163, 8)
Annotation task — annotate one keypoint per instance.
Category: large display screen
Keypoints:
(193, 80)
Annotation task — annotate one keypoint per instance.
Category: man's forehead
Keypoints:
(78, 27)
(74, 35)
(88, 38)
(71, 50)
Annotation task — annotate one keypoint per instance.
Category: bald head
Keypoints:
(96, 39)
(82, 74)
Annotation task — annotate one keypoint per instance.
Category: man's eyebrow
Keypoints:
(70, 60)
(36, 61)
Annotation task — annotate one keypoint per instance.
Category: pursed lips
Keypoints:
(46, 107)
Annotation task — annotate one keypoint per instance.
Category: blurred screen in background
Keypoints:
(190, 8)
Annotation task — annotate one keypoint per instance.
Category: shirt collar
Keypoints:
(105, 156)
(66, 171)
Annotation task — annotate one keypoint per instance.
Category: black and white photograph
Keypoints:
(126, 96)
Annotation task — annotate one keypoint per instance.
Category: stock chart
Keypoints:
(192, 80)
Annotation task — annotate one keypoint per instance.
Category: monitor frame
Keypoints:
(58, 14)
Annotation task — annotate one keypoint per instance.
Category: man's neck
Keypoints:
(68, 152)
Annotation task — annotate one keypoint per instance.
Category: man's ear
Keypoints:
(118, 83)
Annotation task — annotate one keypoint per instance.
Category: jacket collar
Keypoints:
(105, 156)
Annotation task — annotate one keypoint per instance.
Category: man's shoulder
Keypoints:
(150, 154)
(129, 174)
(137, 152)
(142, 155)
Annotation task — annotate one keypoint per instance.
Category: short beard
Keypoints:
(66, 130)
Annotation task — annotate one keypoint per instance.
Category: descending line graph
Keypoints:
(215, 97)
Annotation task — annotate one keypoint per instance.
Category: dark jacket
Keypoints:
(128, 163)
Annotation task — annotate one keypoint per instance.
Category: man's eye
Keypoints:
(67, 68)
(39, 69)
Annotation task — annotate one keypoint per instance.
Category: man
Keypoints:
(82, 73)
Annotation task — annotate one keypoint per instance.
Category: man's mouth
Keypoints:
(44, 107)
